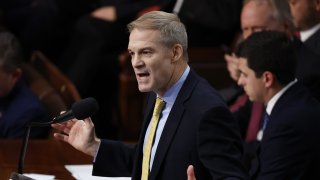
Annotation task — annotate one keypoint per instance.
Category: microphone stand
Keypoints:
(25, 142)
(78, 106)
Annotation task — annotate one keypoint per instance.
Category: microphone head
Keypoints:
(85, 108)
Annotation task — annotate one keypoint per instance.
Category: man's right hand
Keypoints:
(80, 134)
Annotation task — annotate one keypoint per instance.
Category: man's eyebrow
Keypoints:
(147, 48)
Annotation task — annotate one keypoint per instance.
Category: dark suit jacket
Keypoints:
(308, 66)
(307, 71)
(18, 109)
(313, 42)
(199, 130)
(290, 145)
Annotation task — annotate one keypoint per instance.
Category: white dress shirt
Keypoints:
(304, 35)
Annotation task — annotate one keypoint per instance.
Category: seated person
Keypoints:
(18, 105)
(256, 15)
(290, 146)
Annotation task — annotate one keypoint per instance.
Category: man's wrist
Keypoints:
(94, 147)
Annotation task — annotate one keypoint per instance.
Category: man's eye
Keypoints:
(146, 53)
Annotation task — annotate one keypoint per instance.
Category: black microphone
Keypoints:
(79, 110)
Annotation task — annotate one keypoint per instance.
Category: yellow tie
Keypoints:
(147, 149)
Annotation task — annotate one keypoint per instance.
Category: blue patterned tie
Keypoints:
(265, 120)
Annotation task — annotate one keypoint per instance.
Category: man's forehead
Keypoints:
(143, 33)
(141, 44)
(144, 41)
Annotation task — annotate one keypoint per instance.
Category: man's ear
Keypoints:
(269, 79)
(177, 52)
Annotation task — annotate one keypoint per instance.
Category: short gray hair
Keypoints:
(172, 30)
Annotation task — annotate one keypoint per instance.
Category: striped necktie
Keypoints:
(148, 145)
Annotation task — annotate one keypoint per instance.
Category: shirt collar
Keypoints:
(276, 97)
(304, 35)
(171, 95)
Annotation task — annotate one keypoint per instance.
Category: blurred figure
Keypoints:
(306, 18)
(18, 105)
(33, 23)
(43, 25)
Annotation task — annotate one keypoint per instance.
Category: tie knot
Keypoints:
(159, 105)
(297, 35)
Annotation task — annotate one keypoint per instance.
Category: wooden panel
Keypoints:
(60, 82)
(45, 92)
(42, 156)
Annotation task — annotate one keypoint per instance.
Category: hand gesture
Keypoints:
(78, 133)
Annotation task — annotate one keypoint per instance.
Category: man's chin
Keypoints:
(143, 89)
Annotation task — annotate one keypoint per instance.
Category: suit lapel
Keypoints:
(172, 124)
(313, 42)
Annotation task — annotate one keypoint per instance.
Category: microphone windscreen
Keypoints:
(85, 108)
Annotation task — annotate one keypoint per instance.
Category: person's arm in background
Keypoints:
(119, 10)
(232, 65)
(231, 59)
